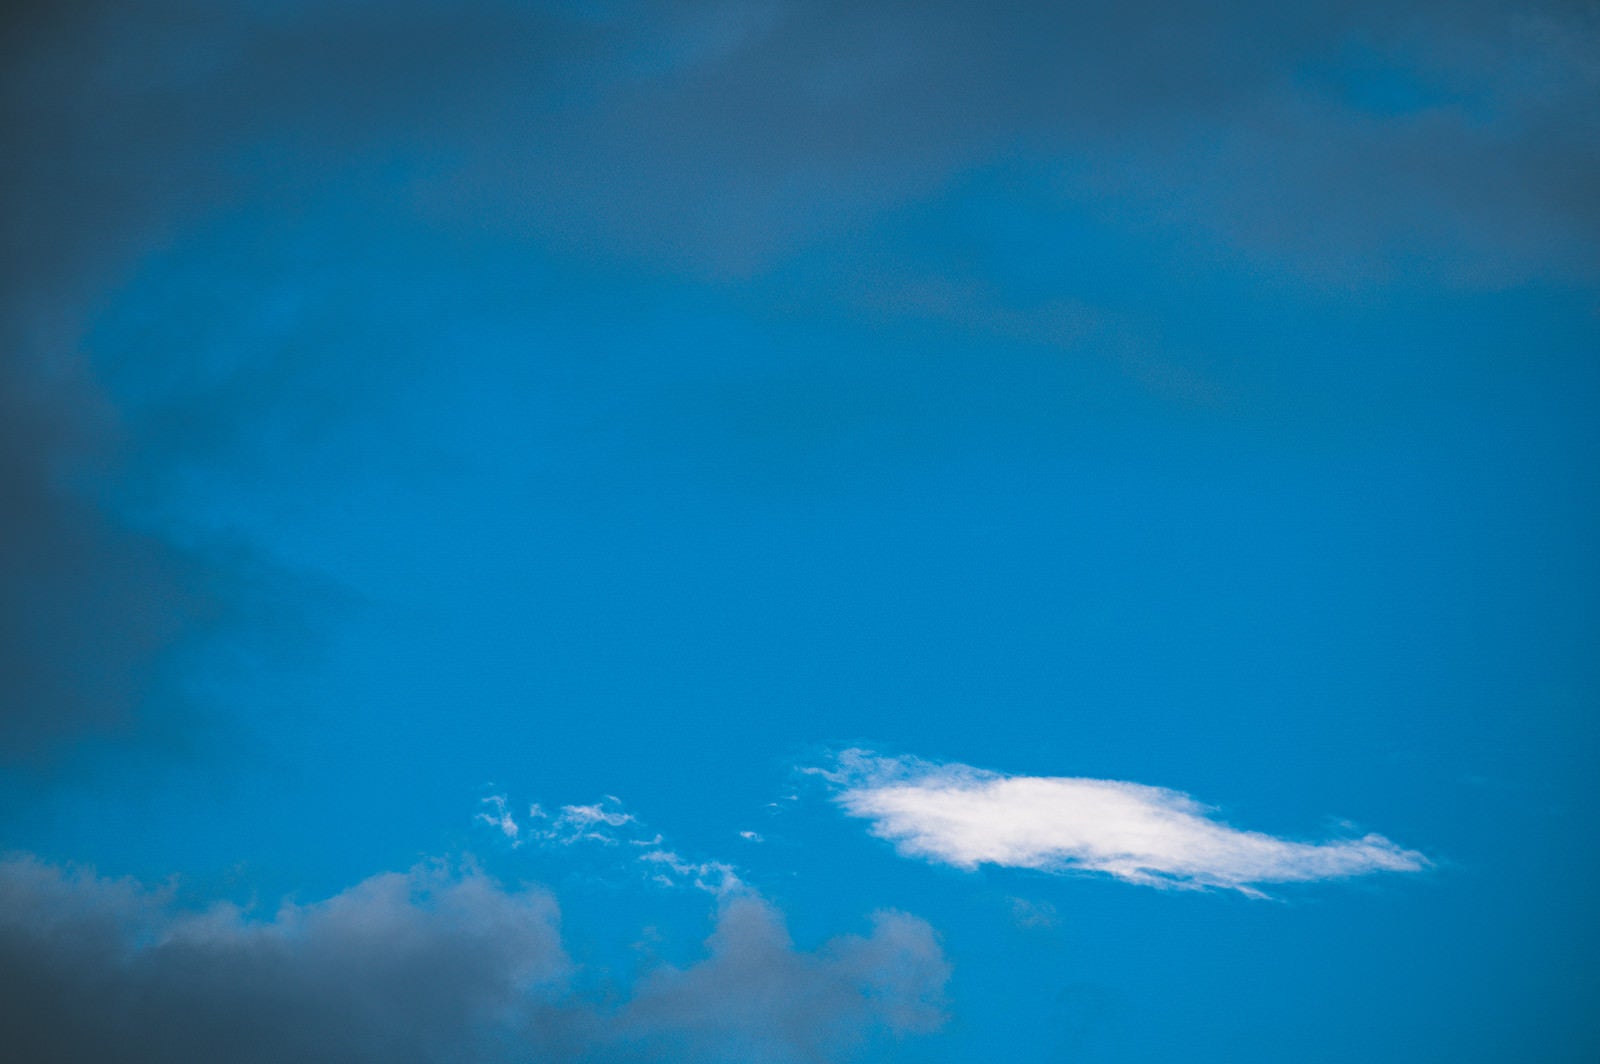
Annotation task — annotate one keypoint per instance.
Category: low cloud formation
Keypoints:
(437, 964)
(963, 816)
(411, 967)
(756, 998)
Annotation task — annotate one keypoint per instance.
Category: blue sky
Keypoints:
(789, 532)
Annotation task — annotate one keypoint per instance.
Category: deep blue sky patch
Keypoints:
(793, 531)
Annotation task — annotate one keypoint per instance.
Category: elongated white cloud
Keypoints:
(963, 816)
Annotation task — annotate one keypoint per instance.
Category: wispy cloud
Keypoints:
(596, 822)
(499, 816)
(714, 877)
(963, 816)
(607, 824)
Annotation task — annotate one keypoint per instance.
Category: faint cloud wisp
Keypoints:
(607, 824)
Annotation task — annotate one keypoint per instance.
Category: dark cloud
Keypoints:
(1346, 138)
(432, 965)
(756, 998)
(399, 967)
(89, 606)
(721, 136)
(1349, 141)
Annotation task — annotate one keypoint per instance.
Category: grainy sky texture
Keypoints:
(781, 531)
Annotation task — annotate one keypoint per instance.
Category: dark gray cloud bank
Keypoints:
(437, 964)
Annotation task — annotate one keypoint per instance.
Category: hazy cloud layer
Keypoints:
(722, 137)
(963, 816)
(90, 605)
(432, 965)
(714, 139)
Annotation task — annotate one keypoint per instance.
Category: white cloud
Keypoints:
(607, 824)
(590, 815)
(963, 816)
(500, 817)
(597, 822)
(713, 877)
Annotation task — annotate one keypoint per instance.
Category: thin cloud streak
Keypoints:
(606, 824)
(966, 817)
